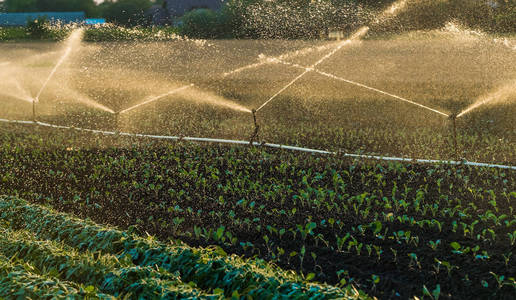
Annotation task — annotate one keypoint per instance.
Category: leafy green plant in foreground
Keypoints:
(210, 270)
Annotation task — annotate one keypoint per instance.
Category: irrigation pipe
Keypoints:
(269, 145)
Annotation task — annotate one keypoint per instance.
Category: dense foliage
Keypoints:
(388, 228)
(492, 16)
(88, 6)
(311, 19)
(205, 23)
(41, 29)
(126, 12)
(44, 253)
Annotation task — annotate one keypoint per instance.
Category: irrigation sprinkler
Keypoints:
(256, 128)
(453, 119)
(34, 109)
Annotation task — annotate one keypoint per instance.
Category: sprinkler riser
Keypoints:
(34, 110)
(256, 128)
(453, 119)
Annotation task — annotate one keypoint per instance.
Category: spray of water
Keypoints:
(505, 93)
(200, 96)
(391, 11)
(79, 97)
(505, 42)
(360, 85)
(288, 55)
(357, 35)
(283, 89)
(24, 94)
(72, 41)
(455, 28)
(156, 98)
(17, 97)
(18, 93)
(459, 30)
(12, 71)
(33, 58)
(91, 103)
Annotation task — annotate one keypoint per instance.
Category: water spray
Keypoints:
(256, 128)
(355, 36)
(392, 11)
(308, 69)
(74, 37)
(156, 98)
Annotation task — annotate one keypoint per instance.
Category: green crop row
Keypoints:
(19, 279)
(210, 270)
(107, 272)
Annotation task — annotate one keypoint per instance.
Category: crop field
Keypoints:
(388, 229)
(125, 216)
(46, 254)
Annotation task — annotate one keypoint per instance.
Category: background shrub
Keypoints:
(206, 23)
(39, 28)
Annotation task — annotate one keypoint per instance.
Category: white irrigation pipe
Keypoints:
(278, 146)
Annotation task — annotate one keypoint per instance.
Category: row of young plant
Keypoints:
(118, 263)
(332, 219)
(22, 280)
(112, 275)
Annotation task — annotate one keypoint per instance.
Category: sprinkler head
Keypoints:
(256, 128)
(453, 116)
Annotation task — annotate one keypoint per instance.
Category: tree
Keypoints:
(291, 18)
(88, 6)
(20, 5)
(126, 12)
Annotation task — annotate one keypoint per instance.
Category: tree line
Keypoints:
(122, 12)
(292, 18)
